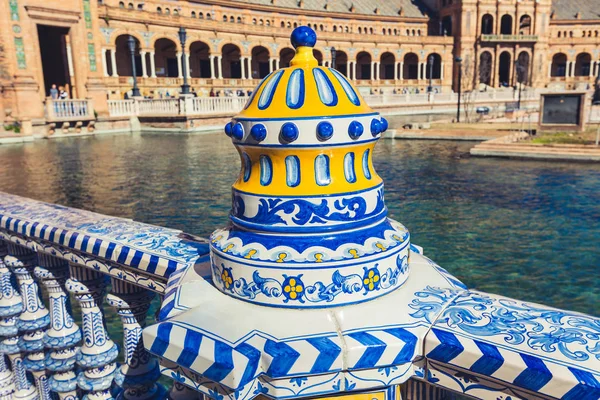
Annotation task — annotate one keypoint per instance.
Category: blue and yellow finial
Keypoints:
(304, 39)
(308, 222)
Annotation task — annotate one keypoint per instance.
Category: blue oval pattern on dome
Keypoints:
(247, 166)
(253, 95)
(295, 89)
(348, 89)
(266, 170)
(325, 88)
(322, 173)
(266, 97)
(365, 160)
(292, 168)
(349, 168)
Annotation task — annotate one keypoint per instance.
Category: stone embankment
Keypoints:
(516, 145)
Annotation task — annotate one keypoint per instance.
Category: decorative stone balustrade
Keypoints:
(69, 110)
(311, 291)
(197, 106)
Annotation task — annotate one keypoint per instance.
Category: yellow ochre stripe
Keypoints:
(312, 107)
(307, 185)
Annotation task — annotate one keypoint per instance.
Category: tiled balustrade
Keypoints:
(451, 340)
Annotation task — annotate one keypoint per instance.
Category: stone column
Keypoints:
(33, 320)
(140, 372)
(401, 71)
(373, 70)
(277, 63)
(64, 335)
(442, 71)
(187, 65)
(212, 66)
(98, 352)
(144, 69)
(550, 69)
(220, 66)
(396, 63)
(179, 67)
(270, 64)
(113, 61)
(104, 63)
(152, 65)
(243, 65)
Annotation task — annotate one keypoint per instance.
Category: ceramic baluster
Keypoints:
(64, 335)
(33, 320)
(11, 306)
(138, 375)
(98, 352)
(182, 392)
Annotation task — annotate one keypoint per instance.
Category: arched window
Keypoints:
(295, 24)
(268, 23)
(167, 11)
(282, 24)
(239, 20)
(371, 30)
(261, 22)
(383, 31)
(201, 15)
(347, 31)
(121, 4)
(525, 25)
(359, 30)
(321, 27)
(130, 6)
(487, 24)
(159, 10)
(140, 6)
(232, 19)
(209, 16)
(193, 14)
(559, 34)
(253, 21)
(289, 24)
(224, 18)
(335, 28)
(559, 65)
(175, 11)
(506, 25)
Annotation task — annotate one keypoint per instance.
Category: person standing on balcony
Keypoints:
(212, 92)
(53, 92)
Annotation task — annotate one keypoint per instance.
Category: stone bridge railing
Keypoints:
(452, 341)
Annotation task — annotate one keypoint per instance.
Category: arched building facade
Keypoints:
(384, 47)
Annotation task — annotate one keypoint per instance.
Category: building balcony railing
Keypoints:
(509, 38)
(69, 110)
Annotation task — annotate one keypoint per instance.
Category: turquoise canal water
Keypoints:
(525, 229)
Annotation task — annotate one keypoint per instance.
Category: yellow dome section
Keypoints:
(304, 90)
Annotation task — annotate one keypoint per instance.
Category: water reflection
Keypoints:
(525, 229)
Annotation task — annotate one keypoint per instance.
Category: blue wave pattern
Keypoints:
(270, 211)
(293, 289)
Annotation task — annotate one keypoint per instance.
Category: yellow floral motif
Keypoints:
(371, 280)
(353, 253)
(229, 247)
(250, 254)
(226, 278)
(318, 257)
(380, 246)
(215, 240)
(281, 257)
(293, 289)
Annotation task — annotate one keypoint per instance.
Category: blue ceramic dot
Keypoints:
(324, 131)
(228, 129)
(289, 132)
(237, 131)
(375, 127)
(355, 130)
(384, 124)
(303, 36)
(258, 132)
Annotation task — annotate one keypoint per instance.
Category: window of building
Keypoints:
(121, 4)
(130, 6)
(159, 10)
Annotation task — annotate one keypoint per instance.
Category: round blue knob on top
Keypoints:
(303, 36)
